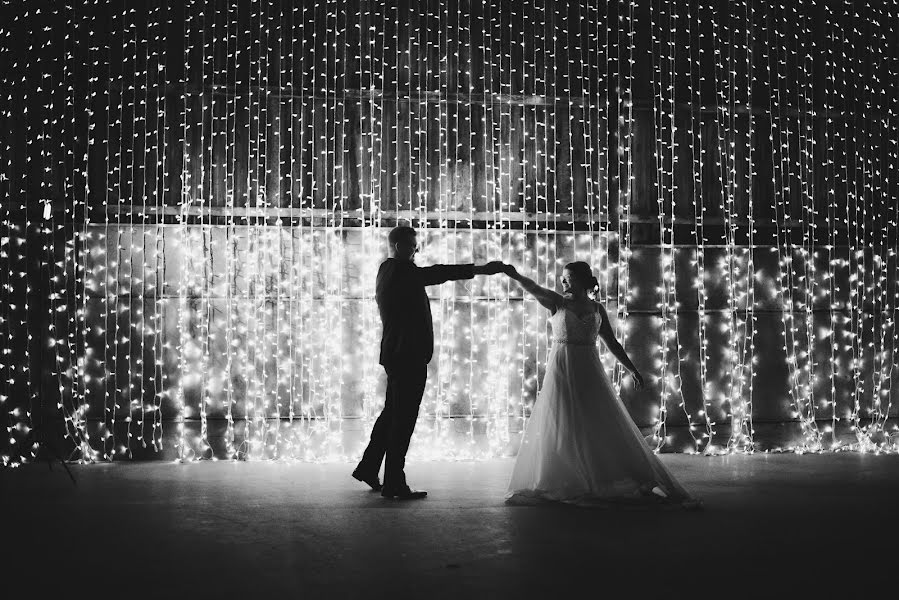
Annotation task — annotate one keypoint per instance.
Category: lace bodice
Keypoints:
(569, 328)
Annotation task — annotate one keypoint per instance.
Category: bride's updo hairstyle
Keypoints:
(584, 275)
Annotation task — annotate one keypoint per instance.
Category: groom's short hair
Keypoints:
(400, 232)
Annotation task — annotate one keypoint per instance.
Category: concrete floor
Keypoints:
(822, 524)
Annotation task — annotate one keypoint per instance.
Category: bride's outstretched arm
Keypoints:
(608, 338)
(544, 296)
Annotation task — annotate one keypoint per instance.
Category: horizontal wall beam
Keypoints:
(149, 213)
(498, 99)
(841, 309)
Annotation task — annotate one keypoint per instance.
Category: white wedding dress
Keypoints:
(580, 445)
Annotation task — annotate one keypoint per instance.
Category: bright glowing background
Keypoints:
(207, 196)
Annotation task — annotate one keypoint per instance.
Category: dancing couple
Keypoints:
(580, 445)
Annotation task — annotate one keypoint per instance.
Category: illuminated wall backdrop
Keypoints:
(195, 200)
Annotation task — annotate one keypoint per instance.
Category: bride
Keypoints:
(580, 445)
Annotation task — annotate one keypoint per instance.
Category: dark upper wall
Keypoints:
(468, 106)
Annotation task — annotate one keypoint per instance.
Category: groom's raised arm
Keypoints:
(436, 274)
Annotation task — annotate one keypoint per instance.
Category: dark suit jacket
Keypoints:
(407, 330)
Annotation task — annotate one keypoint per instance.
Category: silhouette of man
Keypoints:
(407, 344)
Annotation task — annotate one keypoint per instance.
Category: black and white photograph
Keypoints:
(452, 299)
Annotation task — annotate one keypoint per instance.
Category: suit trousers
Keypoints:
(393, 429)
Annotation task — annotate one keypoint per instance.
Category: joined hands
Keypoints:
(497, 266)
(494, 267)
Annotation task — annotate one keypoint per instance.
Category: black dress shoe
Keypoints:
(371, 480)
(403, 494)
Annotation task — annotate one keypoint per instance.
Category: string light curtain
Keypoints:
(196, 197)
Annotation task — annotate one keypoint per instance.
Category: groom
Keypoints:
(407, 344)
